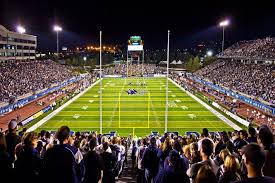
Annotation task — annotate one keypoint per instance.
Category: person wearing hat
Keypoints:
(12, 138)
(174, 171)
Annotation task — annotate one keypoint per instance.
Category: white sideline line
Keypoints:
(44, 120)
(216, 113)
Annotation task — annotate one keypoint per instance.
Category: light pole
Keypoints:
(21, 30)
(57, 29)
(223, 24)
(167, 76)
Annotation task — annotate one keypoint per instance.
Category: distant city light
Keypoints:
(84, 58)
(57, 28)
(21, 29)
(209, 53)
(224, 23)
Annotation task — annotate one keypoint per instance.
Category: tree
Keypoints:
(209, 60)
(196, 64)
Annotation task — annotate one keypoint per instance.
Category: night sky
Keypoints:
(189, 21)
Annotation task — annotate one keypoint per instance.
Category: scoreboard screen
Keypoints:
(135, 40)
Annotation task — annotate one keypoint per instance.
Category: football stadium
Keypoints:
(100, 100)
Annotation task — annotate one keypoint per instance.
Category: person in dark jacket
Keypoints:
(174, 171)
(28, 162)
(265, 140)
(12, 139)
(93, 164)
(150, 161)
(62, 162)
(109, 160)
(5, 160)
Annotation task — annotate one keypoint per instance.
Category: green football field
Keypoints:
(138, 114)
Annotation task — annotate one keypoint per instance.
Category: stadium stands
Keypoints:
(19, 79)
(134, 69)
(259, 49)
(255, 80)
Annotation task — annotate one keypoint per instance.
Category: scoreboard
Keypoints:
(135, 44)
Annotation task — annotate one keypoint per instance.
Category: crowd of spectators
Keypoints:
(20, 78)
(255, 80)
(252, 115)
(134, 69)
(259, 49)
(242, 156)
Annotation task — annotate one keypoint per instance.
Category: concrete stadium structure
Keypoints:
(15, 46)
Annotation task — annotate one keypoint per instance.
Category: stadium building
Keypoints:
(16, 46)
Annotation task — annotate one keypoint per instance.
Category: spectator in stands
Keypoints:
(99, 149)
(163, 152)
(28, 162)
(134, 153)
(5, 160)
(265, 140)
(21, 133)
(254, 159)
(63, 162)
(93, 164)
(206, 152)
(251, 135)
(109, 160)
(12, 138)
(204, 135)
(150, 161)
(140, 167)
(221, 142)
(205, 175)
(195, 154)
(231, 170)
(174, 172)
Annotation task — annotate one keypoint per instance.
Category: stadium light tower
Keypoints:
(223, 24)
(21, 30)
(57, 29)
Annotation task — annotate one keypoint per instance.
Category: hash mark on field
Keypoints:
(76, 116)
(192, 116)
(169, 91)
(172, 104)
(177, 100)
(184, 107)
(91, 101)
(95, 96)
(84, 107)
(173, 95)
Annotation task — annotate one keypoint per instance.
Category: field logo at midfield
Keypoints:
(184, 107)
(192, 116)
(172, 104)
(76, 116)
(84, 107)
